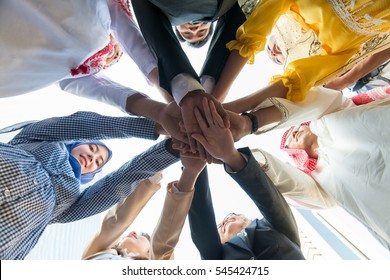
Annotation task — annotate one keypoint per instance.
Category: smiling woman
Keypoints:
(89, 157)
(39, 156)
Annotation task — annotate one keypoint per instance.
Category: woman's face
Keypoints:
(135, 243)
(274, 52)
(302, 138)
(90, 156)
(193, 33)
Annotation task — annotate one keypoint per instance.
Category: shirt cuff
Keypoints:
(182, 84)
(229, 170)
(208, 83)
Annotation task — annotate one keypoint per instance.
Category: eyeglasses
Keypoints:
(228, 216)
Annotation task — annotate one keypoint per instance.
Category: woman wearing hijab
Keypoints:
(44, 165)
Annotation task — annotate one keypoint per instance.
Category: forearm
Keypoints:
(249, 102)
(141, 105)
(90, 125)
(233, 67)
(120, 217)
(360, 70)
(235, 161)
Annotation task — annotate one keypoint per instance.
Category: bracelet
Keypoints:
(253, 118)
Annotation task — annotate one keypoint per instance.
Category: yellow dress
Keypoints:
(341, 26)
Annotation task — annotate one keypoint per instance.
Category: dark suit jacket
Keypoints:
(274, 237)
(172, 60)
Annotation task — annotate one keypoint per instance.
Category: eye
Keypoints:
(90, 147)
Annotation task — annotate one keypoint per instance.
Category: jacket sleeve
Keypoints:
(158, 33)
(83, 126)
(225, 31)
(203, 226)
(267, 198)
(294, 184)
(168, 229)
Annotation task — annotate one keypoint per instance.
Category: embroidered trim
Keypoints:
(283, 110)
(125, 5)
(101, 60)
(365, 25)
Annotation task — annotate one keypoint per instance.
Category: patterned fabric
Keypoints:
(101, 60)
(125, 5)
(336, 23)
(299, 156)
(378, 93)
(37, 184)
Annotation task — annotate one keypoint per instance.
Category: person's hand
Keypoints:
(169, 119)
(338, 83)
(194, 100)
(215, 137)
(240, 126)
(192, 165)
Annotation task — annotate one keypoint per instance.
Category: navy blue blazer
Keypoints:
(274, 237)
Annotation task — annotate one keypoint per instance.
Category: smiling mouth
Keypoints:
(83, 161)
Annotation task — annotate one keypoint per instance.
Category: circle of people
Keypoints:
(339, 144)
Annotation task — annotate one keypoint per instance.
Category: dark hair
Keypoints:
(197, 44)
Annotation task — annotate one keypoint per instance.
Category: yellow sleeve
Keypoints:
(302, 74)
(251, 36)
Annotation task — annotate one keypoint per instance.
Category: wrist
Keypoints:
(235, 161)
(172, 151)
(253, 120)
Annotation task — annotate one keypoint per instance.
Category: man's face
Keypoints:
(232, 225)
(302, 138)
(193, 33)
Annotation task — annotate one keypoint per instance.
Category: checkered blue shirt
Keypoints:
(38, 186)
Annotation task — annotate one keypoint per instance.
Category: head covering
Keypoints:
(299, 156)
(294, 41)
(84, 178)
(98, 61)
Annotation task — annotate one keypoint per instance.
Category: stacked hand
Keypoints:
(194, 100)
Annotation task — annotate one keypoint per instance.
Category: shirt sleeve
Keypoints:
(82, 126)
(182, 84)
(100, 88)
(251, 36)
(302, 74)
(294, 184)
(126, 31)
(318, 102)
